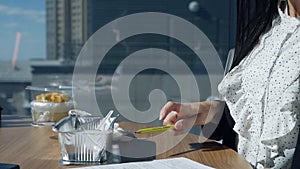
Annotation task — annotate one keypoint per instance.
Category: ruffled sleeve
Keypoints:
(238, 96)
(236, 99)
(238, 102)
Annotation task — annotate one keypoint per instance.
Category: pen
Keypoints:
(154, 129)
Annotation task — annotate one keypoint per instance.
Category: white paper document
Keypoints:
(171, 163)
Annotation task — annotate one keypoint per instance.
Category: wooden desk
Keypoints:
(38, 148)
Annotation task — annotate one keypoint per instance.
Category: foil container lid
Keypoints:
(75, 121)
(79, 120)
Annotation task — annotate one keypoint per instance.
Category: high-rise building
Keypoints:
(66, 28)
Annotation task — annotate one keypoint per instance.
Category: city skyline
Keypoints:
(27, 17)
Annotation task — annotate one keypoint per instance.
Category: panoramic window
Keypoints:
(42, 39)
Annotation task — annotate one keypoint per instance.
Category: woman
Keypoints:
(261, 91)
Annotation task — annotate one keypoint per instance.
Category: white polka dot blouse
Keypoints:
(263, 95)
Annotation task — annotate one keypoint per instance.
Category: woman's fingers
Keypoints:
(182, 126)
(183, 116)
(171, 118)
(169, 107)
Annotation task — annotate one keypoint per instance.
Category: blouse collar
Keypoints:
(291, 23)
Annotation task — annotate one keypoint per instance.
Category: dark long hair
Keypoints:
(254, 18)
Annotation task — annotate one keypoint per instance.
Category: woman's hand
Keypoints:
(187, 115)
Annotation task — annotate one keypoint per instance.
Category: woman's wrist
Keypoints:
(207, 111)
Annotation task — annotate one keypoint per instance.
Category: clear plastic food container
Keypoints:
(49, 104)
(81, 142)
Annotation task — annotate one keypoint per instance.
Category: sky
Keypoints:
(29, 18)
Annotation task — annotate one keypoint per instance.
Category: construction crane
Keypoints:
(16, 51)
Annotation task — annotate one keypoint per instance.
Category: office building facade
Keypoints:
(66, 24)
